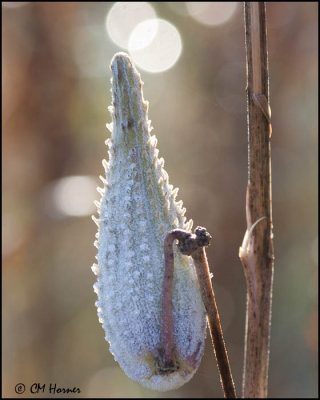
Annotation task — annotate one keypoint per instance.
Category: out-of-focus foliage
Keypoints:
(55, 96)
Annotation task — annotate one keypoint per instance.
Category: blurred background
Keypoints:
(191, 56)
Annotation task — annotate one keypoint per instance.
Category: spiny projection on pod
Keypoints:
(137, 208)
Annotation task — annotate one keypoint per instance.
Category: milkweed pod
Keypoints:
(134, 219)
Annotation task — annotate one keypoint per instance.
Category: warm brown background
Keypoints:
(54, 126)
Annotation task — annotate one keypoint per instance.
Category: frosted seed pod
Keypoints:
(130, 250)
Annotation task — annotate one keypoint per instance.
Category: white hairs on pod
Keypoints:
(137, 209)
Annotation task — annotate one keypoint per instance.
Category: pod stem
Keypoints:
(194, 245)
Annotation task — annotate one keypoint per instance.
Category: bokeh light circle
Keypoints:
(163, 50)
(211, 13)
(123, 18)
(74, 195)
(143, 34)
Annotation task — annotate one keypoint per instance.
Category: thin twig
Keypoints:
(256, 252)
(168, 359)
(194, 245)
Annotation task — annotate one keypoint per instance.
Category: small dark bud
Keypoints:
(191, 242)
(203, 237)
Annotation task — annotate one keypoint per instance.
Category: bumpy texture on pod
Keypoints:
(137, 209)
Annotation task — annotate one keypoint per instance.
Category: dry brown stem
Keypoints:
(194, 245)
(256, 252)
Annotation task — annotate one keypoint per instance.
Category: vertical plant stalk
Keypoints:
(194, 246)
(256, 252)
